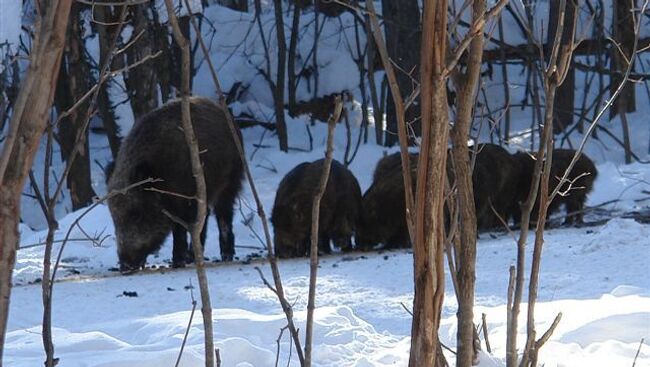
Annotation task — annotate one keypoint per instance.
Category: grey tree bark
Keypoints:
(29, 119)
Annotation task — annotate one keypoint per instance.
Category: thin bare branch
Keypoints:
(547, 335)
(476, 29)
(637, 352)
(187, 329)
(315, 214)
(199, 178)
(279, 289)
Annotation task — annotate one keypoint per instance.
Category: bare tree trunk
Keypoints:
(278, 90)
(291, 62)
(466, 86)
(30, 116)
(73, 83)
(176, 53)
(428, 248)
(565, 101)
(403, 43)
(623, 32)
(199, 176)
(104, 15)
(378, 114)
(163, 64)
(506, 87)
(360, 60)
(141, 82)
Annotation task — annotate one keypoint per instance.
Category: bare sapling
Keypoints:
(465, 249)
(315, 211)
(553, 75)
(28, 122)
(278, 288)
(197, 172)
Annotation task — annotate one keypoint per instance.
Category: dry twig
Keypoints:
(199, 177)
(189, 325)
(315, 214)
(279, 289)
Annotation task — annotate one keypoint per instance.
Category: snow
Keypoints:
(11, 11)
(598, 277)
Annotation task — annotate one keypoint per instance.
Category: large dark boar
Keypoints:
(582, 177)
(178, 232)
(383, 214)
(339, 209)
(496, 174)
(156, 147)
(392, 162)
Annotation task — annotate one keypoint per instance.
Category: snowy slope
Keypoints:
(597, 276)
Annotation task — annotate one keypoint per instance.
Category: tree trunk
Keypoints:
(565, 102)
(623, 32)
(278, 90)
(466, 85)
(377, 112)
(291, 62)
(403, 33)
(428, 248)
(104, 14)
(163, 63)
(175, 71)
(29, 119)
(141, 82)
(73, 83)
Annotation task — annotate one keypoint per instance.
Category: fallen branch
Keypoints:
(485, 334)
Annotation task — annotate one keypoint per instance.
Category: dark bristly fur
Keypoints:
(339, 209)
(583, 175)
(495, 175)
(156, 147)
(383, 213)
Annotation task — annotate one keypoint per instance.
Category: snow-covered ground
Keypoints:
(597, 276)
